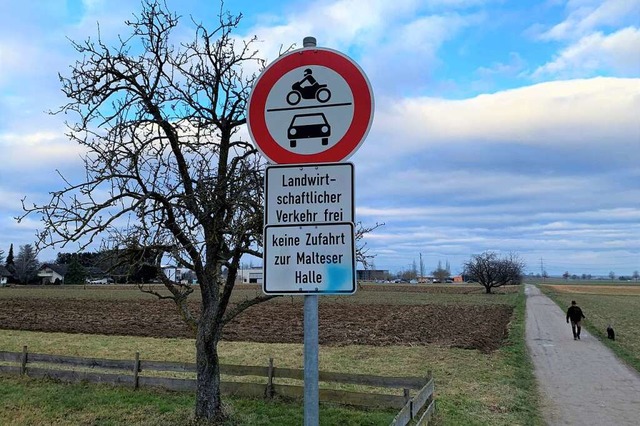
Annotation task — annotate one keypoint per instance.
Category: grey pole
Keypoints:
(309, 42)
(311, 397)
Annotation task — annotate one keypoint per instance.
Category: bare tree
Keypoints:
(166, 174)
(441, 274)
(492, 271)
(635, 275)
(167, 177)
(362, 251)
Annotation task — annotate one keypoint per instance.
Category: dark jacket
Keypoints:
(574, 313)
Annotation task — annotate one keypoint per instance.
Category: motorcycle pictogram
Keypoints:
(308, 88)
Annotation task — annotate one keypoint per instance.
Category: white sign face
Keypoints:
(313, 117)
(309, 259)
(304, 194)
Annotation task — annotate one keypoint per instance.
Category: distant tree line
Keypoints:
(23, 267)
(124, 266)
(612, 276)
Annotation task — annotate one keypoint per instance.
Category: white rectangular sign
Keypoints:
(309, 194)
(309, 259)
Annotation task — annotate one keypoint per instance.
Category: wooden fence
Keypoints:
(127, 372)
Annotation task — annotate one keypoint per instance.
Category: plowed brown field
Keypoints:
(482, 327)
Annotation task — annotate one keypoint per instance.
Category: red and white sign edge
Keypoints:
(348, 69)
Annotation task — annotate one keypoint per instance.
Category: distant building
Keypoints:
(372, 274)
(179, 275)
(250, 276)
(256, 275)
(4, 275)
(52, 273)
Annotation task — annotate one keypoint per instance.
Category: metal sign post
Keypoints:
(311, 392)
(308, 111)
(311, 389)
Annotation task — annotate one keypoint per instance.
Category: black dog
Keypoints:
(610, 333)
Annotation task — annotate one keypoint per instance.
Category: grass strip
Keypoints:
(622, 311)
(82, 403)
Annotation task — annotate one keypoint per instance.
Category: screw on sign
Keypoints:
(313, 105)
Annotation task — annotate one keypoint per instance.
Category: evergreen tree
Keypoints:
(10, 264)
(26, 264)
(9, 261)
(76, 274)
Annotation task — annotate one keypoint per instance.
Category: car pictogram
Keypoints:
(306, 126)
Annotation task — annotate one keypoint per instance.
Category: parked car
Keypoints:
(101, 281)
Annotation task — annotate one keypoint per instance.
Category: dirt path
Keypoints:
(582, 382)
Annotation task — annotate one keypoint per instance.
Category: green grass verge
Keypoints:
(509, 371)
(45, 402)
(622, 311)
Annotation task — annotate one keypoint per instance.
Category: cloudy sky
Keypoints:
(511, 126)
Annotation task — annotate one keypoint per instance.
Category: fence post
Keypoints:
(269, 390)
(23, 366)
(136, 370)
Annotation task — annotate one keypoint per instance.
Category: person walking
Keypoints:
(574, 313)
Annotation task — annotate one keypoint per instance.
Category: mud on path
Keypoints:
(482, 327)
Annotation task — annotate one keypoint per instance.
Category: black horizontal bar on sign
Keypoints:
(309, 107)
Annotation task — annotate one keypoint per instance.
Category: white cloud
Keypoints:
(618, 52)
(27, 151)
(584, 17)
(397, 42)
(561, 112)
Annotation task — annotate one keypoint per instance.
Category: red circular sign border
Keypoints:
(334, 60)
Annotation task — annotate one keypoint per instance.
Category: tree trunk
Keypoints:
(208, 402)
(487, 289)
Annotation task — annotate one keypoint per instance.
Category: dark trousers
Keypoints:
(576, 327)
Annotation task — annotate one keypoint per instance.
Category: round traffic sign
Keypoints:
(313, 105)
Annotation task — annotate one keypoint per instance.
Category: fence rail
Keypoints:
(127, 373)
